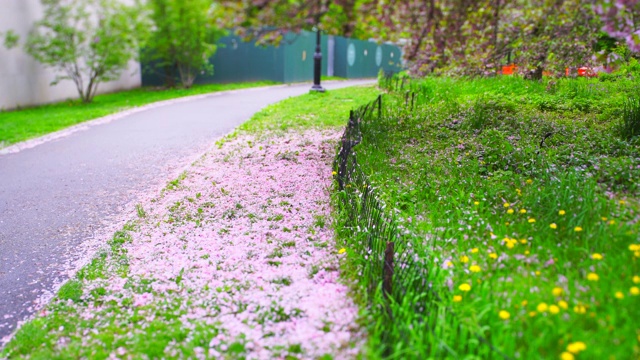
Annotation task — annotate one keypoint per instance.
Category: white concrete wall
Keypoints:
(23, 81)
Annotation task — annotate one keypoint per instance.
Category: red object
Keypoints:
(509, 69)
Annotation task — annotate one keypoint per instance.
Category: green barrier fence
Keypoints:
(292, 61)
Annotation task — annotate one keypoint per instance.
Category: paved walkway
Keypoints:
(57, 196)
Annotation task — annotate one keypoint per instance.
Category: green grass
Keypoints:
(527, 193)
(23, 124)
(312, 110)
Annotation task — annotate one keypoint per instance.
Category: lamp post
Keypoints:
(317, 65)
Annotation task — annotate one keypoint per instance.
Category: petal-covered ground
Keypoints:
(235, 258)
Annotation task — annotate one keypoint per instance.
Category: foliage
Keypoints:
(519, 201)
(87, 41)
(184, 38)
(10, 39)
(621, 20)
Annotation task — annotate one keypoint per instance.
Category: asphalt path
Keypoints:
(56, 196)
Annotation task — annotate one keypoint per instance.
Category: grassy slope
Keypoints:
(544, 235)
(33, 339)
(24, 124)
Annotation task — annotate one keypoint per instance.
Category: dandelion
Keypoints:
(333, 173)
(576, 347)
(531, 220)
(532, 313)
(542, 307)
(567, 356)
(448, 264)
(604, 218)
(563, 304)
(612, 222)
(519, 192)
(464, 259)
(593, 277)
(510, 211)
(577, 229)
(553, 226)
(523, 211)
(464, 287)
(476, 203)
(622, 202)
(342, 251)
(580, 309)
(557, 291)
(529, 181)
(504, 315)
(527, 252)
(554, 309)
(523, 241)
(636, 279)
(475, 268)
(619, 295)
(474, 250)
(457, 298)
(561, 212)
(596, 256)
(634, 247)
(493, 255)
(524, 303)
(635, 291)
(506, 205)
(537, 273)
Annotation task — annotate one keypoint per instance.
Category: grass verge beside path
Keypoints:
(28, 123)
(234, 259)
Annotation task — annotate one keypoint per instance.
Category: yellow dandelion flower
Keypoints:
(342, 251)
(619, 295)
(604, 218)
(448, 264)
(635, 291)
(457, 298)
(526, 252)
(507, 223)
(475, 268)
(612, 222)
(567, 356)
(576, 347)
(531, 220)
(519, 191)
(622, 202)
(493, 255)
(577, 229)
(476, 203)
(596, 256)
(334, 173)
(474, 250)
(637, 254)
(554, 309)
(523, 211)
(553, 226)
(563, 304)
(510, 211)
(561, 212)
(464, 259)
(580, 309)
(532, 313)
(506, 205)
(510, 245)
(524, 303)
(464, 287)
(634, 247)
(529, 181)
(593, 277)
(636, 279)
(542, 307)
(504, 315)
(523, 241)
(537, 273)
(557, 291)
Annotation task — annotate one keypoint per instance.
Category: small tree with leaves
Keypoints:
(184, 38)
(87, 41)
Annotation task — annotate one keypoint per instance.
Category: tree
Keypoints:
(184, 38)
(87, 41)
(621, 20)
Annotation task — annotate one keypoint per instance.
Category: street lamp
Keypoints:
(317, 65)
